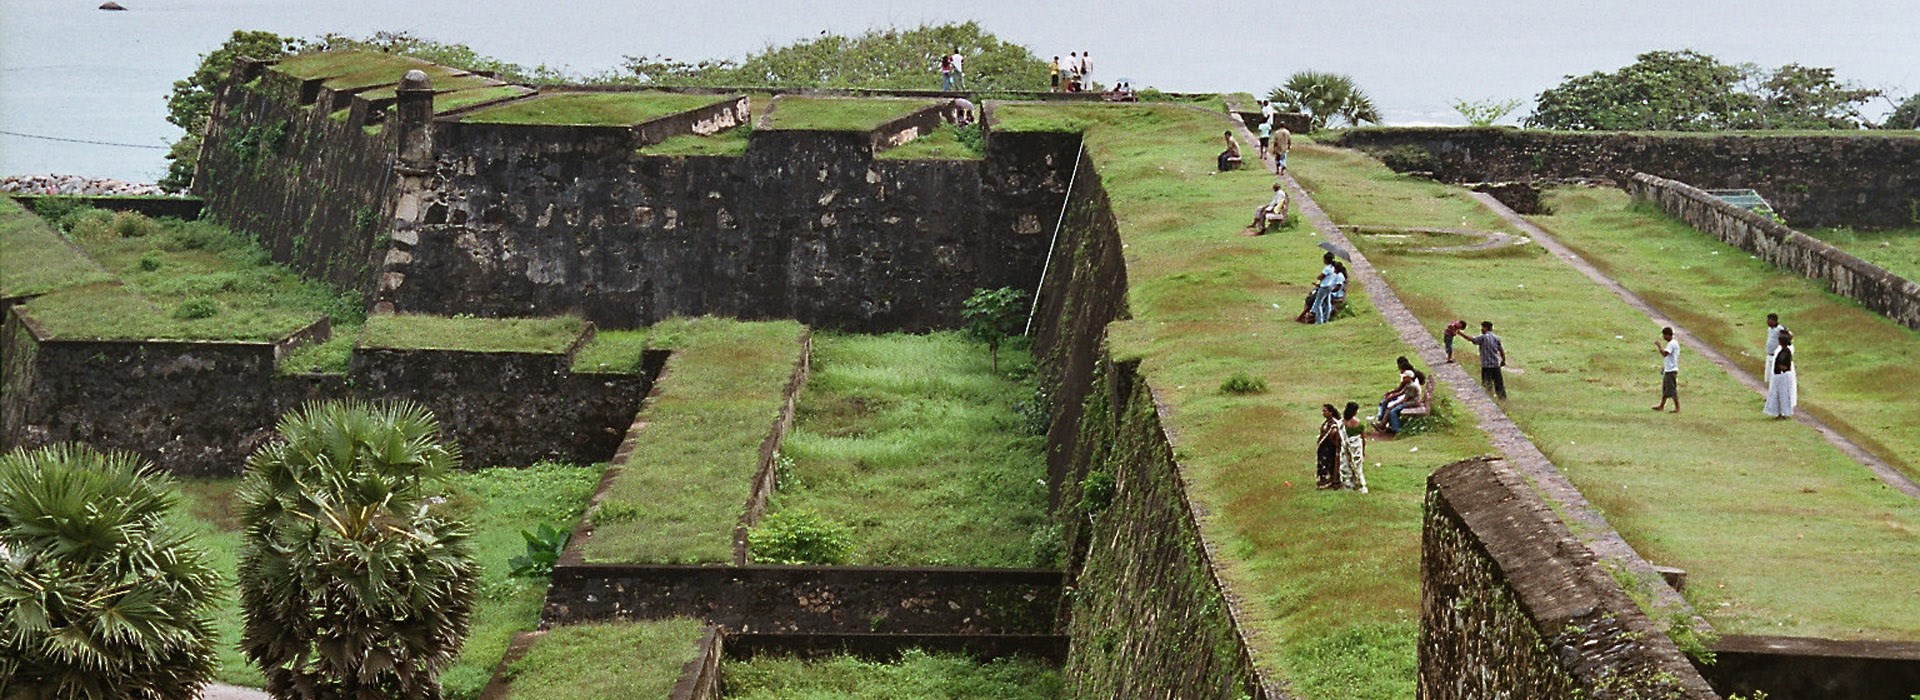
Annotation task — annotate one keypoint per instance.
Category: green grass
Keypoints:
(614, 352)
(37, 259)
(1718, 490)
(917, 675)
(731, 142)
(686, 484)
(592, 108)
(389, 74)
(1854, 362)
(1329, 581)
(839, 113)
(942, 144)
(1896, 250)
(914, 442)
(447, 102)
(331, 357)
(167, 265)
(333, 63)
(418, 332)
(497, 503)
(442, 87)
(607, 661)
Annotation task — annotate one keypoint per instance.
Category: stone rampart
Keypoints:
(314, 190)
(1513, 605)
(199, 408)
(1815, 669)
(1886, 293)
(1847, 179)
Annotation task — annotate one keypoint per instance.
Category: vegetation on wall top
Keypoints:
(881, 58)
(1691, 91)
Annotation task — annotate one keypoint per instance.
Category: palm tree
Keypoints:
(1323, 96)
(353, 586)
(99, 597)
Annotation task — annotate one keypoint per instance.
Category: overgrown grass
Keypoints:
(418, 332)
(613, 352)
(1329, 581)
(731, 142)
(331, 357)
(914, 442)
(1854, 363)
(840, 113)
(592, 108)
(917, 675)
(37, 259)
(606, 661)
(685, 487)
(1897, 250)
(1717, 490)
(945, 143)
(331, 63)
(389, 74)
(184, 280)
(448, 102)
(496, 503)
(444, 86)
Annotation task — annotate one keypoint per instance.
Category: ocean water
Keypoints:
(68, 70)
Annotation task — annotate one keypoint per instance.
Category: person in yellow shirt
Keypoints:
(1054, 68)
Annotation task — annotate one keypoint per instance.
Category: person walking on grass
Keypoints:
(1783, 389)
(1282, 143)
(1669, 369)
(1266, 135)
(1326, 470)
(1493, 356)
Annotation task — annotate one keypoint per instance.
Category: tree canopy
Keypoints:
(882, 58)
(1691, 91)
(1324, 97)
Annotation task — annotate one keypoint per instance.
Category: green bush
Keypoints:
(133, 224)
(1048, 545)
(197, 307)
(1096, 492)
(1408, 159)
(89, 224)
(800, 537)
(543, 551)
(149, 261)
(1243, 383)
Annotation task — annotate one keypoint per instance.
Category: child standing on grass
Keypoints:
(1669, 369)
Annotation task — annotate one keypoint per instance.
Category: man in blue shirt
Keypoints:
(1493, 356)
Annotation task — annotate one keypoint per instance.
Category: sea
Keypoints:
(83, 90)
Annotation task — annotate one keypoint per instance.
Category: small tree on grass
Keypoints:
(352, 586)
(99, 598)
(992, 315)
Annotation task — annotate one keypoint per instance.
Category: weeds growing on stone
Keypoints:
(915, 675)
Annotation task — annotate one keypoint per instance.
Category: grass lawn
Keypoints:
(1854, 363)
(731, 142)
(592, 108)
(420, 332)
(497, 503)
(840, 113)
(38, 259)
(183, 280)
(447, 102)
(943, 144)
(917, 675)
(1718, 490)
(607, 661)
(913, 441)
(680, 494)
(1329, 580)
(1897, 250)
(442, 87)
(332, 63)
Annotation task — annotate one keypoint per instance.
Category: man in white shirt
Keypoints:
(1774, 329)
(1086, 67)
(959, 70)
(1669, 369)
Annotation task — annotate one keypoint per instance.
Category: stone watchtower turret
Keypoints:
(413, 163)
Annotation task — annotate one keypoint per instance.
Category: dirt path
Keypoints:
(1489, 239)
(1887, 473)
(217, 691)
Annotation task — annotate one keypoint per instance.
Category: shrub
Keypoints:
(352, 586)
(543, 551)
(1096, 492)
(149, 261)
(133, 224)
(800, 537)
(992, 315)
(196, 307)
(89, 225)
(1046, 547)
(1409, 159)
(1243, 383)
(99, 596)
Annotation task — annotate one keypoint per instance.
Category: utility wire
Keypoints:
(86, 141)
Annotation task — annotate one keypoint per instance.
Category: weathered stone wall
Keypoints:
(1889, 294)
(313, 190)
(805, 225)
(1848, 179)
(1815, 669)
(815, 599)
(201, 407)
(1512, 605)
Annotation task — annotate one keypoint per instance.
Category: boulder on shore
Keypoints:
(113, 6)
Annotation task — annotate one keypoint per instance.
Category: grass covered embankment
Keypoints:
(916, 674)
(1328, 581)
(914, 444)
(1718, 490)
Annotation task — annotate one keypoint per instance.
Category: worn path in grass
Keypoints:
(1491, 419)
(1887, 473)
(1780, 532)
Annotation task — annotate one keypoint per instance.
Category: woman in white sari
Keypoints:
(1783, 389)
(1353, 450)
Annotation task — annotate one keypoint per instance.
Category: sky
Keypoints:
(71, 71)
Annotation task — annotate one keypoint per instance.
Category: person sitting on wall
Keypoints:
(1230, 158)
(1273, 212)
(960, 111)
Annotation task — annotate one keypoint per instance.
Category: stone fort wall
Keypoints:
(1848, 179)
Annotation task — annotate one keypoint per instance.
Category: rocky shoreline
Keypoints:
(76, 185)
